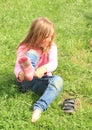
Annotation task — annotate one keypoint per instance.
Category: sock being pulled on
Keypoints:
(27, 68)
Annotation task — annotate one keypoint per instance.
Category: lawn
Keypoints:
(73, 26)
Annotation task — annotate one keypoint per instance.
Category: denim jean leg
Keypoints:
(34, 57)
(54, 88)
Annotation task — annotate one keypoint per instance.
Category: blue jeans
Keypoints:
(48, 86)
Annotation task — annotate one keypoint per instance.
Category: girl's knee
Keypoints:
(32, 53)
(34, 57)
(58, 82)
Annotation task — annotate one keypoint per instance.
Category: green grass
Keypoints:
(73, 25)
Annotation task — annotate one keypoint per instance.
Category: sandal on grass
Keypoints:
(69, 106)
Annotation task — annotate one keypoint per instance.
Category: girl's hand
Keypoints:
(39, 73)
(21, 76)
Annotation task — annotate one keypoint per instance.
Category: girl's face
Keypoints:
(46, 42)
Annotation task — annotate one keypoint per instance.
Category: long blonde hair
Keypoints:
(40, 29)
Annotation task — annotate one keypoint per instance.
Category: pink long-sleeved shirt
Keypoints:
(47, 60)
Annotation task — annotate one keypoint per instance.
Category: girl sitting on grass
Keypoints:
(36, 60)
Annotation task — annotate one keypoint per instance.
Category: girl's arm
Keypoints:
(53, 60)
(50, 66)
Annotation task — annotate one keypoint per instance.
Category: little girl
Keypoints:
(36, 60)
